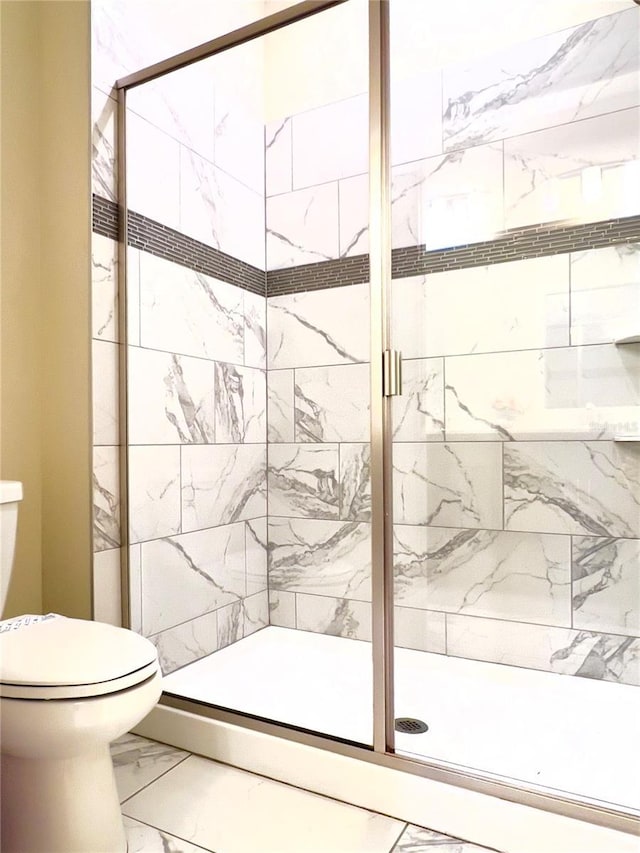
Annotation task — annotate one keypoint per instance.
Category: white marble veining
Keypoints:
(186, 642)
(241, 404)
(104, 288)
(106, 498)
(256, 612)
(105, 370)
(606, 585)
(230, 624)
(562, 77)
(302, 227)
(138, 761)
(585, 171)
(282, 608)
(256, 545)
(330, 142)
(418, 413)
(103, 144)
(515, 576)
(187, 312)
(424, 630)
(255, 330)
(303, 480)
(157, 199)
(147, 839)
(563, 393)
(154, 491)
(283, 819)
(416, 839)
(280, 408)
(222, 484)
(192, 574)
(319, 327)
(448, 485)
(353, 206)
(339, 617)
(355, 481)
(605, 293)
(508, 306)
(278, 167)
(171, 398)
(330, 558)
(332, 403)
(577, 487)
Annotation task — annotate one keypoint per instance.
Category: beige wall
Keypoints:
(45, 274)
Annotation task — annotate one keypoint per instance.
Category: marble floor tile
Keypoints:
(201, 801)
(416, 839)
(138, 761)
(147, 839)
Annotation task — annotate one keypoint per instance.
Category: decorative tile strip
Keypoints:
(165, 242)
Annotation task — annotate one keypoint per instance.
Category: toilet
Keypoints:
(68, 687)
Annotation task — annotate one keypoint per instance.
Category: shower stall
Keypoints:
(380, 280)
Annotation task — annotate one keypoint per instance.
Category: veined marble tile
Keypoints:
(147, 839)
(278, 166)
(448, 200)
(135, 587)
(515, 305)
(355, 482)
(188, 312)
(241, 404)
(605, 293)
(256, 612)
(330, 558)
(255, 330)
(562, 77)
(416, 116)
(586, 171)
(560, 650)
(222, 484)
(418, 414)
(280, 411)
(567, 393)
(104, 288)
(282, 608)
(303, 480)
(302, 227)
(330, 142)
(230, 624)
(106, 498)
(577, 487)
(107, 602)
(106, 409)
(606, 585)
(492, 573)
(423, 630)
(415, 839)
(157, 199)
(171, 398)
(186, 576)
(332, 403)
(256, 546)
(448, 485)
(338, 617)
(319, 327)
(103, 145)
(218, 210)
(187, 642)
(353, 205)
(138, 761)
(133, 296)
(154, 492)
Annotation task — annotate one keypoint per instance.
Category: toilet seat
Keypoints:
(61, 658)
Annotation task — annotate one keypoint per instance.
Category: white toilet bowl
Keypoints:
(68, 687)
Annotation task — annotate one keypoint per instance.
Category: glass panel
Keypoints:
(249, 375)
(516, 499)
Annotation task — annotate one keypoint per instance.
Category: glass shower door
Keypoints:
(515, 302)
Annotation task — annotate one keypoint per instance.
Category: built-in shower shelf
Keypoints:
(631, 437)
(628, 339)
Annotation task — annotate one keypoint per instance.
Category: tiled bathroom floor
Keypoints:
(175, 802)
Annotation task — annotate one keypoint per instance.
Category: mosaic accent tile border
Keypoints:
(164, 242)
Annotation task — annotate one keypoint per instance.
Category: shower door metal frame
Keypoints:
(382, 752)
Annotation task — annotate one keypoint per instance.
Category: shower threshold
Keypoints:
(574, 735)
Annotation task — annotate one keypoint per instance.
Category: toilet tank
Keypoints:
(10, 496)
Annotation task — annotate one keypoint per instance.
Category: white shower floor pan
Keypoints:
(569, 734)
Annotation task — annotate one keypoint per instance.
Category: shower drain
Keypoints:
(410, 726)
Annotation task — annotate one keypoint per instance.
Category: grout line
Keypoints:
(144, 787)
(171, 834)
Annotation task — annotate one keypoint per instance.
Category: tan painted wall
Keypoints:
(46, 425)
